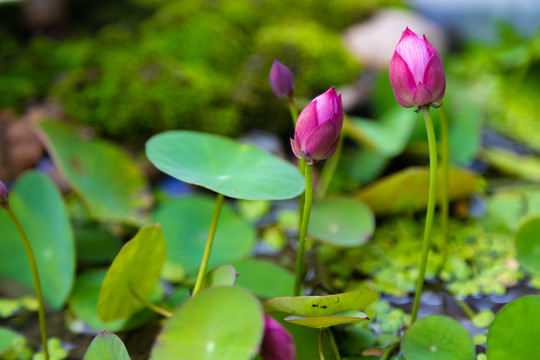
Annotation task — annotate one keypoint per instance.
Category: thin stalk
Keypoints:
(388, 351)
(333, 344)
(432, 143)
(303, 231)
(35, 277)
(149, 305)
(209, 240)
(321, 350)
(328, 171)
(445, 164)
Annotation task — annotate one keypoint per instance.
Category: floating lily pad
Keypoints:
(40, 209)
(106, 346)
(185, 225)
(344, 317)
(322, 305)
(528, 245)
(223, 275)
(223, 323)
(526, 167)
(7, 337)
(95, 245)
(134, 273)
(341, 222)
(387, 136)
(438, 338)
(226, 166)
(264, 279)
(514, 332)
(109, 182)
(407, 190)
(84, 300)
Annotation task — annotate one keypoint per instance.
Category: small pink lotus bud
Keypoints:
(277, 343)
(416, 71)
(318, 128)
(4, 193)
(281, 80)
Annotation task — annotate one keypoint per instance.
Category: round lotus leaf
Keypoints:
(134, 273)
(106, 346)
(437, 338)
(224, 323)
(108, 181)
(264, 278)
(185, 225)
(341, 222)
(40, 209)
(528, 245)
(515, 331)
(226, 166)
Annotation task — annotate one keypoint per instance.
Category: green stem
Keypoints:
(35, 277)
(465, 307)
(445, 164)
(302, 197)
(303, 231)
(430, 209)
(209, 240)
(328, 172)
(293, 111)
(388, 351)
(321, 350)
(149, 305)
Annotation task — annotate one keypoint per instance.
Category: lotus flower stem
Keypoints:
(293, 111)
(432, 143)
(301, 161)
(35, 277)
(328, 172)
(209, 240)
(303, 231)
(445, 164)
(335, 349)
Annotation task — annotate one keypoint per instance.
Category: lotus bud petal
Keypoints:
(281, 80)
(277, 343)
(4, 193)
(318, 127)
(416, 72)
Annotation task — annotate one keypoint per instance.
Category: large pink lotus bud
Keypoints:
(281, 80)
(416, 71)
(318, 128)
(4, 193)
(277, 343)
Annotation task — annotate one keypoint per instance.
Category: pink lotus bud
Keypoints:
(277, 343)
(318, 128)
(281, 80)
(416, 71)
(4, 193)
